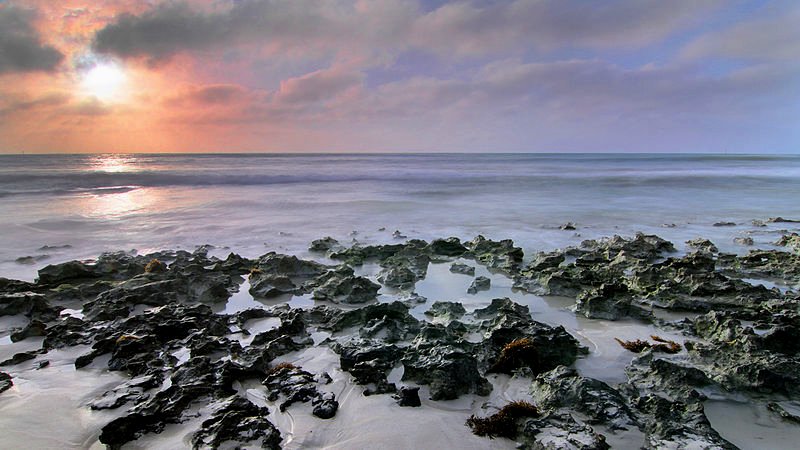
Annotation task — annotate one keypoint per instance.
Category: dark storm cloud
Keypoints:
(21, 48)
(455, 28)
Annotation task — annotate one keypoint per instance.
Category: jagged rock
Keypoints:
(343, 286)
(5, 382)
(34, 328)
(132, 390)
(369, 361)
(559, 431)
(609, 302)
(447, 247)
(479, 284)
(297, 385)
(19, 358)
(440, 358)
(496, 254)
(268, 286)
(562, 387)
(702, 245)
(390, 316)
(446, 310)
(30, 304)
(408, 396)
(58, 273)
(462, 269)
(791, 240)
(240, 421)
(744, 240)
(325, 244)
(569, 226)
(543, 261)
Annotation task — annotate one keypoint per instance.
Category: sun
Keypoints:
(106, 81)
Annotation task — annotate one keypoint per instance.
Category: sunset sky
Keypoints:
(361, 76)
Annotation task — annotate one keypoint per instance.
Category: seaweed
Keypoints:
(155, 266)
(504, 422)
(278, 367)
(662, 345)
(517, 353)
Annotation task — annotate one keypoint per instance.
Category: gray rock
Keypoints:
(479, 284)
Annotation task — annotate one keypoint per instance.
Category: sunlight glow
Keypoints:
(105, 81)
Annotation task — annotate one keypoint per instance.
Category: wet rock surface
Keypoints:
(157, 320)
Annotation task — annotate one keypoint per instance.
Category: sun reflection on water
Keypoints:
(113, 163)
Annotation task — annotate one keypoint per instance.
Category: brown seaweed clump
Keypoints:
(278, 367)
(517, 353)
(662, 345)
(155, 266)
(504, 422)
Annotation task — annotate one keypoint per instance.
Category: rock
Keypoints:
(297, 385)
(791, 240)
(408, 396)
(569, 226)
(500, 255)
(155, 266)
(19, 358)
(702, 245)
(559, 431)
(369, 361)
(441, 359)
(239, 421)
(55, 274)
(392, 320)
(479, 284)
(725, 224)
(609, 302)
(5, 382)
(746, 240)
(544, 261)
(446, 310)
(269, 286)
(325, 245)
(343, 286)
(563, 388)
(398, 235)
(462, 269)
(776, 407)
(781, 220)
(34, 328)
(30, 260)
(447, 247)
(30, 304)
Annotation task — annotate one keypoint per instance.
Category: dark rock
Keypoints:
(34, 328)
(609, 302)
(559, 431)
(369, 362)
(702, 245)
(462, 269)
(569, 226)
(446, 310)
(725, 224)
(19, 358)
(240, 421)
(30, 304)
(343, 286)
(325, 244)
(30, 260)
(479, 284)
(500, 255)
(268, 286)
(781, 220)
(55, 274)
(5, 382)
(447, 247)
(408, 396)
(562, 387)
(297, 385)
(441, 359)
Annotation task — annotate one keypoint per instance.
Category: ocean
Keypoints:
(55, 208)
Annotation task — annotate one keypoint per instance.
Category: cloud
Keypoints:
(21, 48)
(210, 95)
(317, 86)
(9, 106)
(381, 28)
(771, 37)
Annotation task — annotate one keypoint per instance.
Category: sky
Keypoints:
(400, 76)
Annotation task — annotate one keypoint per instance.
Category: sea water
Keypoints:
(59, 207)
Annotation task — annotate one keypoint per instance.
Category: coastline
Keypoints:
(378, 312)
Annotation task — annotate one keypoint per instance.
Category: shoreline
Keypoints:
(362, 321)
